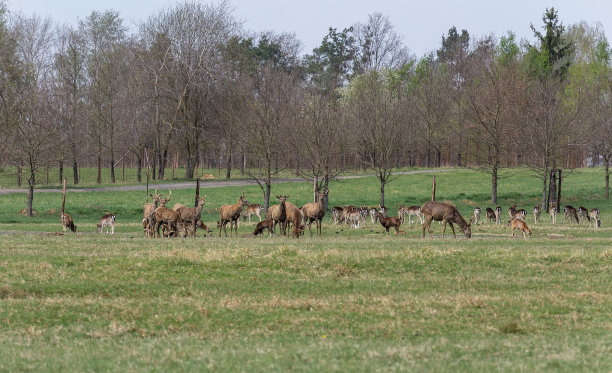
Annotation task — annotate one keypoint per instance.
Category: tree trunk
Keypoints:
(382, 191)
(228, 173)
(607, 180)
(31, 183)
(139, 168)
(19, 172)
(315, 188)
(61, 171)
(112, 167)
(544, 184)
(267, 197)
(99, 178)
(494, 186)
(75, 171)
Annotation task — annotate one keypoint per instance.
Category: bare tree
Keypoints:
(373, 116)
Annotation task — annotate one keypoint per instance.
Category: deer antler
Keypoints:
(169, 195)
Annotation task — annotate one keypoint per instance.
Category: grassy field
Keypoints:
(352, 300)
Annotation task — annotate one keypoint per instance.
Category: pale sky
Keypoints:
(421, 23)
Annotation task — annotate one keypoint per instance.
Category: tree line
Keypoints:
(191, 86)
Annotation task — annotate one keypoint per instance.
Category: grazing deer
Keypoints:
(315, 212)
(477, 212)
(67, 222)
(191, 215)
(519, 224)
(262, 225)
(447, 213)
(389, 222)
(252, 209)
(536, 213)
(490, 214)
(498, 211)
(107, 220)
(231, 214)
(583, 213)
(594, 218)
(570, 213)
(295, 218)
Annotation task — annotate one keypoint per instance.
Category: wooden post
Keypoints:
(63, 196)
(197, 192)
(433, 189)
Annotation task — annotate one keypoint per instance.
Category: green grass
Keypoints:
(353, 300)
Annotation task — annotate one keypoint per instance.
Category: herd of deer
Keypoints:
(287, 215)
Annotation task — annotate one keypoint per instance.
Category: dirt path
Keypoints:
(203, 184)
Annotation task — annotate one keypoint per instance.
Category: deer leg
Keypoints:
(443, 227)
(453, 228)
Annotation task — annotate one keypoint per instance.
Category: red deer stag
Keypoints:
(230, 214)
(447, 213)
(107, 220)
(389, 222)
(148, 220)
(315, 211)
(191, 215)
(519, 224)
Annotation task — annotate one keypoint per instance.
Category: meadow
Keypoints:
(352, 300)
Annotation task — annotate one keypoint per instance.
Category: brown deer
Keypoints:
(262, 225)
(519, 224)
(512, 211)
(107, 220)
(252, 209)
(231, 214)
(191, 215)
(278, 213)
(490, 214)
(583, 213)
(389, 222)
(594, 215)
(553, 213)
(294, 218)
(171, 218)
(569, 212)
(536, 213)
(315, 211)
(67, 222)
(447, 213)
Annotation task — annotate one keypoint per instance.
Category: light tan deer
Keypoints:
(191, 215)
(553, 210)
(594, 215)
(171, 218)
(477, 213)
(67, 222)
(230, 214)
(252, 209)
(536, 213)
(107, 220)
(148, 210)
(519, 224)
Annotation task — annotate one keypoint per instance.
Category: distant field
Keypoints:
(353, 300)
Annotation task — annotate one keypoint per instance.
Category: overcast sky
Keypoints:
(421, 23)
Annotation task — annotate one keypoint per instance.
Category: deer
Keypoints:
(388, 222)
(252, 209)
(354, 218)
(583, 213)
(166, 216)
(262, 225)
(315, 211)
(148, 210)
(336, 214)
(519, 224)
(191, 215)
(410, 211)
(569, 212)
(231, 214)
(490, 214)
(294, 218)
(477, 212)
(498, 211)
(594, 215)
(512, 211)
(536, 213)
(67, 222)
(447, 213)
(520, 214)
(107, 220)
(553, 213)
(278, 213)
